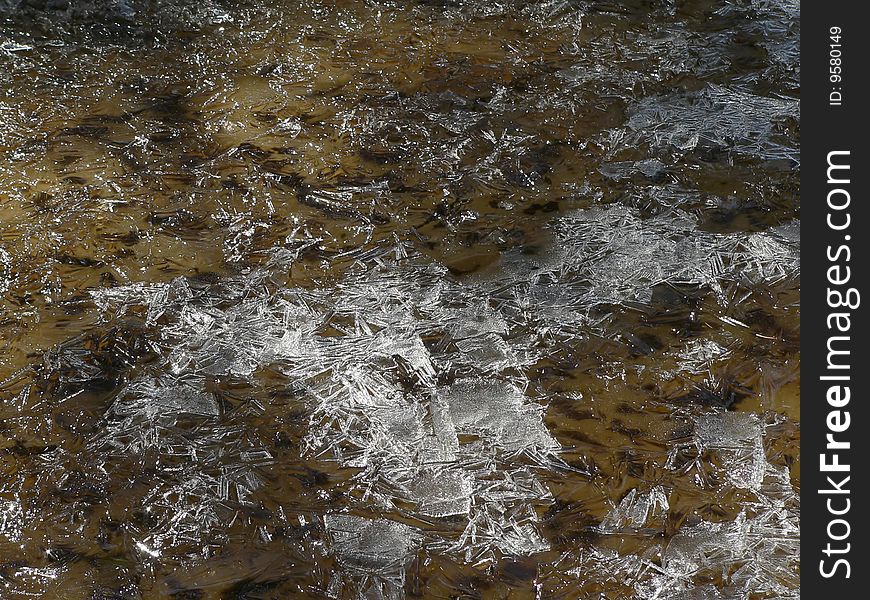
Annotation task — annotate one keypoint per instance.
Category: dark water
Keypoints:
(399, 299)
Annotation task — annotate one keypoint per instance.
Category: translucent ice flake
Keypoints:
(616, 256)
(499, 413)
(738, 438)
(413, 450)
(718, 119)
(776, 23)
(727, 430)
(754, 553)
(487, 352)
(651, 169)
(478, 320)
(442, 492)
(636, 509)
(513, 531)
(32, 582)
(698, 356)
(5, 270)
(374, 402)
(11, 520)
(764, 538)
(375, 552)
(373, 546)
(766, 546)
(154, 398)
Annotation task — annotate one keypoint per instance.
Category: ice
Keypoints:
(512, 531)
(717, 119)
(737, 437)
(407, 445)
(498, 413)
(5, 269)
(756, 553)
(651, 169)
(471, 449)
(11, 519)
(374, 300)
(371, 547)
(768, 549)
(32, 578)
(442, 492)
(765, 536)
(636, 509)
(155, 399)
(699, 355)
(620, 256)
(378, 546)
(727, 430)
(487, 351)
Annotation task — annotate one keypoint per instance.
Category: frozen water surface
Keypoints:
(381, 300)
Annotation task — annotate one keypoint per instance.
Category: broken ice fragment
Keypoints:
(373, 546)
(442, 492)
(636, 509)
(498, 412)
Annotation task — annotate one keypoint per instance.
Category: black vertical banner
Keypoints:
(835, 425)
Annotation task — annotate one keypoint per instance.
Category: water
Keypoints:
(399, 299)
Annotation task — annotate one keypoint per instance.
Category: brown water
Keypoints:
(399, 299)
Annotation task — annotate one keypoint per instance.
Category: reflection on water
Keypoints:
(399, 299)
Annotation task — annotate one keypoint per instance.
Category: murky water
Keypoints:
(399, 299)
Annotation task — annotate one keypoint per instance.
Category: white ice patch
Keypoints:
(635, 510)
(11, 519)
(156, 399)
(698, 356)
(442, 492)
(412, 380)
(757, 554)
(717, 117)
(375, 553)
(614, 256)
(499, 413)
(373, 546)
(375, 405)
(738, 438)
